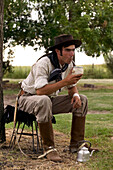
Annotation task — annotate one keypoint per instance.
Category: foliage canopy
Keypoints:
(91, 21)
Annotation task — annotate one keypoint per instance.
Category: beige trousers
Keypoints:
(44, 107)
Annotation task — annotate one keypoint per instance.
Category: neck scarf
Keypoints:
(56, 74)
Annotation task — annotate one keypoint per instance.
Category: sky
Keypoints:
(27, 57)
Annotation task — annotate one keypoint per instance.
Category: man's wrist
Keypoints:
(76, 94)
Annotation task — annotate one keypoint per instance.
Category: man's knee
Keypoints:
(45, 101)
(84, 99)
(82, 111)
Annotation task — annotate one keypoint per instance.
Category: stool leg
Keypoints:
(16, 133)
(33, 137)
(38, 144)
(13, 137)
(21, 132)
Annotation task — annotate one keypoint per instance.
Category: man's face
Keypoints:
(67, 54)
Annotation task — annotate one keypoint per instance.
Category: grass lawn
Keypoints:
(101, 99)
(99, 127)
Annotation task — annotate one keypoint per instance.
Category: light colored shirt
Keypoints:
(39, 75)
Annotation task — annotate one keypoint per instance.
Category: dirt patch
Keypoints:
(14, 159)
(98, 112)
(95, 87)
(9, 100)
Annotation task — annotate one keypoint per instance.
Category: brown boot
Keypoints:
(77, 135)
(46, 131)
(53, 156)
(77, 132)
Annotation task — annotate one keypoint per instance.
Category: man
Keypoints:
(49, 75)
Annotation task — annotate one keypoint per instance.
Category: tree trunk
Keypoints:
(2, 125)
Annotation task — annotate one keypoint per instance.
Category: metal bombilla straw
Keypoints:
(73, 63)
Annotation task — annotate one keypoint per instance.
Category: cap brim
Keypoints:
(77, 44)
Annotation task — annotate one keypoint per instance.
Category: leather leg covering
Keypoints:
(46, 131)
(77, 131)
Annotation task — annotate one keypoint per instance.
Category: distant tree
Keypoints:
(2, 125)
(109, 61)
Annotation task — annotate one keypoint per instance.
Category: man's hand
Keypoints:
(76, 102)
(72, 79)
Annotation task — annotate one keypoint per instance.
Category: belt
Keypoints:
(22, 92)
